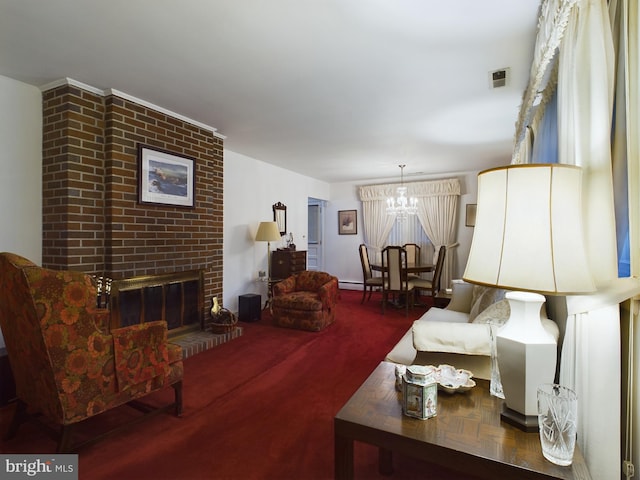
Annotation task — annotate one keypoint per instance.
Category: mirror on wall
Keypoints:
(280, 217)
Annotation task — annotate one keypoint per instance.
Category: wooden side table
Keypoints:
(466, 435)
(270, 283)
(442, 299)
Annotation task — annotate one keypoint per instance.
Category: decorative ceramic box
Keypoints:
(420, 400)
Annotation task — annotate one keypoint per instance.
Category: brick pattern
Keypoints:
(197, 342)
(92, 220)
(73, 180)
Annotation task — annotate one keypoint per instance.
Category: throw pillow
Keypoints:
(482, 298)
(498, 313)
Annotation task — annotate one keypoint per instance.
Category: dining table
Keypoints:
(415, 268)
(409, 268)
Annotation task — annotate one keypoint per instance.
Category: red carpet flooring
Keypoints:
(258, 407)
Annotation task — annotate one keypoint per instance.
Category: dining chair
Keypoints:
(413, 253)
(368, 280)
(432, 285)
(413, 256)
(394, 277)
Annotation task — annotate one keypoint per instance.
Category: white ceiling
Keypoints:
(339, 90)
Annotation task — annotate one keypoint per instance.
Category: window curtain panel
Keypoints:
(552, 23)
(437, 211)
(375, 220)
(579, 34)
(377, 224)
(411, 231)
(625, 16)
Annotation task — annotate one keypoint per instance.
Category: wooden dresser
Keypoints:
(287, 262)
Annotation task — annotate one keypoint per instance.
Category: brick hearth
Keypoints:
(197, 342)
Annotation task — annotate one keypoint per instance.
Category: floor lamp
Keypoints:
(268, 232)
(528, 236)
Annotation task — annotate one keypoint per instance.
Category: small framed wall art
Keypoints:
(165, 178)
(470, 219)
(347, 222)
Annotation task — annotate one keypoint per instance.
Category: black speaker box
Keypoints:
(249, 307)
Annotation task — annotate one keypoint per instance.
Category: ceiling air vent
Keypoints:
(499, 78)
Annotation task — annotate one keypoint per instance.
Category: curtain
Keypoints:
(585, 104)
(437, 211)
(578, 32)
(546, 149)
(552, 23)
(437, 215)
(625, 17)
(410, 230)
(591, 346)
(377, 224)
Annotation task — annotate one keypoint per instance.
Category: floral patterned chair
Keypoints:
(305, 300)
(67, 365)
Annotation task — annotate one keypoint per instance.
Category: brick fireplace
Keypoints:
(92, 221)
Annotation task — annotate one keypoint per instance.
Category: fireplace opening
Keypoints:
(177, 298)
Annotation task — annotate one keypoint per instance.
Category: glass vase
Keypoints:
(557, 421)
(495, 386)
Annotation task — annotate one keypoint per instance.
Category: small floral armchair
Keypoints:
(306, 300)
(66, 363)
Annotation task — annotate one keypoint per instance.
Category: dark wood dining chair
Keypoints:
(394, 277)
(432, 285)
(413, 256)
(413, 253)
(368, 280)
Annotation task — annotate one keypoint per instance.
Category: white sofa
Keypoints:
(458, 335)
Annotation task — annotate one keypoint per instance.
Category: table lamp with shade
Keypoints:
(268, 232)
(528, 237)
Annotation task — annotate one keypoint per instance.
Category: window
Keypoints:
(410, 231)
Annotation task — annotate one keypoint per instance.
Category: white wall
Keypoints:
(251, 187)
(21, 167)
(341, 251)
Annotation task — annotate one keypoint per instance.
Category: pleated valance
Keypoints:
(449, 186)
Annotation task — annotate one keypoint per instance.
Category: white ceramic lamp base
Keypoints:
(527, 354)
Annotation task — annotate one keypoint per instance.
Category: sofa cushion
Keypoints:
(461, 338)
(311, 281)
(442, 330)
(309, 301)
(497, 313)
(482, 298)
(435, 314)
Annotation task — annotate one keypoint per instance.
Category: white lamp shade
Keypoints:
(528, 233)
(268, 232)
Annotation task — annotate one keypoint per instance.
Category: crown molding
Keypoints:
(110, 91)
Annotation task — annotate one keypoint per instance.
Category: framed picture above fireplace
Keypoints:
(165, 178)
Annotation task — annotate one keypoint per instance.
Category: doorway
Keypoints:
(315, 228)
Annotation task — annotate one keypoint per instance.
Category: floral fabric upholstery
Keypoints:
(141, 354)
(66, 363)
(306, 300)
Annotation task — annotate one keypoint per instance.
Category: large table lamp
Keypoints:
(528, 237)
(268, 232)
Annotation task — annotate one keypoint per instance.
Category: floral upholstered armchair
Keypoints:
(66, 363)
(305, 300)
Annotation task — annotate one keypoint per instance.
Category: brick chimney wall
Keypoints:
(92, 221)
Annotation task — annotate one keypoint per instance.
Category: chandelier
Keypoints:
(402, 206)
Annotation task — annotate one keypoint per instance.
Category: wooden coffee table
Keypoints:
(466, 435)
